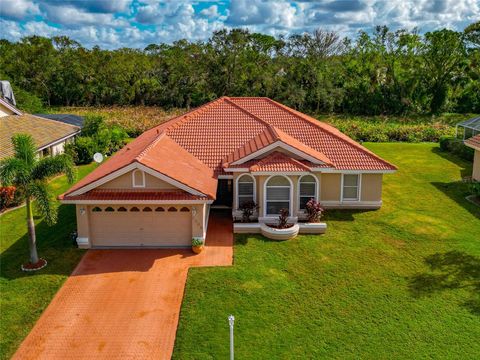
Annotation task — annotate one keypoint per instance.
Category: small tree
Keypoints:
(30, 174)
(248, 208)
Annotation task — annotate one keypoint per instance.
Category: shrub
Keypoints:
(92, 124)
(475, 188)
(7, 196)
(197, 242)
(457, 147)
(27, 102)
(85, 147)
(283, 219)
(314, 211)
(247, 208)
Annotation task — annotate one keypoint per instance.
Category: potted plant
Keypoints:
(314, 211)
(198, 245)
(247, 208)
(282, 230)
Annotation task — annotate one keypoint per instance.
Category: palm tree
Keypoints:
(30, 175)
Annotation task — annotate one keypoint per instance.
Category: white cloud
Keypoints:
(18, 9)
(210, 12)
(72, 16)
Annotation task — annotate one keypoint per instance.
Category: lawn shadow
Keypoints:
(343, 214)
(54, 243)
(466, 167)
(452, 270)
(457, 191)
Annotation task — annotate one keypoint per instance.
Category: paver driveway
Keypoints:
(123, 304)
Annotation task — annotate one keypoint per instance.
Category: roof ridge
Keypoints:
(321, 125)
(227, 99)
(149, 146)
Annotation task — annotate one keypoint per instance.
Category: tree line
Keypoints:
(385, 72)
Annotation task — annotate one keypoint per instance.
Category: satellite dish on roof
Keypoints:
(98, 158)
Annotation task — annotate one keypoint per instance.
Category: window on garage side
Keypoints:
(277, 194)
(135, 209)
(159, 209)
(96, 209)
(147, 209)
(110, 209)
(245, 189)
(307, 190)
(172, 209)
(138, 178)
(351, 187)
(121, 209)
(184, 209)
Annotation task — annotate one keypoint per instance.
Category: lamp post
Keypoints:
(231, 321)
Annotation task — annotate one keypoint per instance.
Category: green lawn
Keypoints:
(401, 282)
(23, 297)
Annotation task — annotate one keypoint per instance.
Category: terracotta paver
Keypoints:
(123, 304)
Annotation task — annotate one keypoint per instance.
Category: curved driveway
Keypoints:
(123, 304)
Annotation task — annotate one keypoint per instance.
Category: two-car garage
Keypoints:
(140, 225)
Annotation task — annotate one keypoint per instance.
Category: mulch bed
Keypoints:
(277, 227)
(34, 267)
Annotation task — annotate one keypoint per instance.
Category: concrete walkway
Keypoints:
(123, 304)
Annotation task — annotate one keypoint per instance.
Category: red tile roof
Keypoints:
(192, 148)
(473, 142)
(134, 195)
(280, 162)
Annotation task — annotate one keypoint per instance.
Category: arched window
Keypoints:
(147, 209)
(121, 209)
(172, 209)
(96, 209)
(307, 189)
(245, 189)
(159, 209)
(184, 209)
(110, 209)
(135, 209)
(277, 195)
(138, 178)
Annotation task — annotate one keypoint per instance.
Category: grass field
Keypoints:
(136, 119)
(399, 283)
(25, 296)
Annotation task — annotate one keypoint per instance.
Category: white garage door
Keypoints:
(156, 226)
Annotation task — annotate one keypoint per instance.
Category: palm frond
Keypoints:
(54, 165)
(43, 202)
(13, 171)
(24, 148)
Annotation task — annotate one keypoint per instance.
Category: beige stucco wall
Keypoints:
(125, 182)
(329, 191)
(83, 230)
(476, 166)
(371, 187)
(330, 187)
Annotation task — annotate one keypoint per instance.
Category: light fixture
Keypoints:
(82, 211)
(194, 211)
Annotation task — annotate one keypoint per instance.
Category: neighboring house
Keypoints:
(64, 118)
(157, 190)
(470, 127)
(49, 136)
(474, 143)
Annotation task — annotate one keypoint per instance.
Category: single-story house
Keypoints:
(474, 143)
(158, 189)
(50, 136)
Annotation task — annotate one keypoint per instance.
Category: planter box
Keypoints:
(246, 228)
(312, 228)
(279, 234)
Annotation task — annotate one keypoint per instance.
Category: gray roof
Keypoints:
(65, 118)
(473, 123)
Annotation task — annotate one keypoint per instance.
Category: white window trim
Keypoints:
(254, 189)
(317, 187)
(359, 189)
(290, 205)
(135, 185)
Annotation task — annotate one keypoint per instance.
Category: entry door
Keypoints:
(224, 193)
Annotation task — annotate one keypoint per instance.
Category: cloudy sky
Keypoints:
(137, 23)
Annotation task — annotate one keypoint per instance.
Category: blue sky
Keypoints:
(137, 23)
